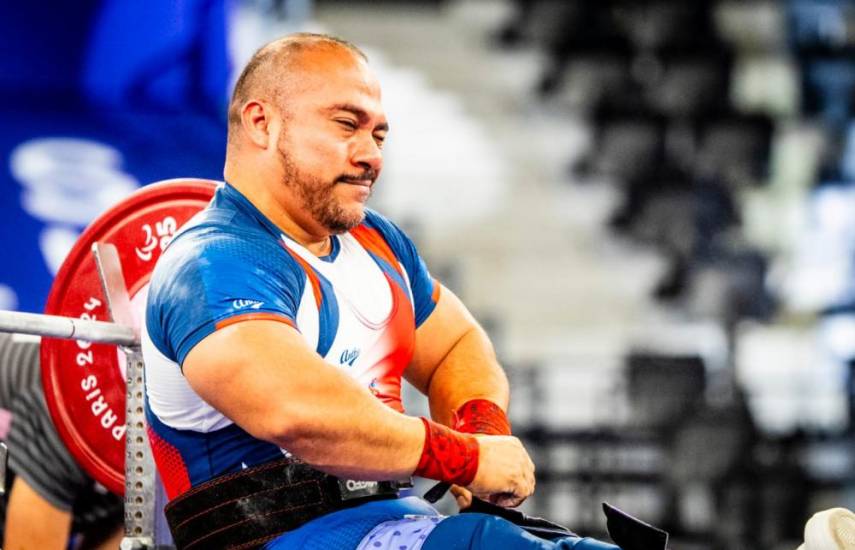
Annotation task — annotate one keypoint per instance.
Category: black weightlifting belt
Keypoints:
(249, 508)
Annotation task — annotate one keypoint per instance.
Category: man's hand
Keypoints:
(462, 496)
(505, 473)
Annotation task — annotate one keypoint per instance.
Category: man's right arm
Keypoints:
(262, 375)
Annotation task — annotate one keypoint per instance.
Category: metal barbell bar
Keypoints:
(69, 328)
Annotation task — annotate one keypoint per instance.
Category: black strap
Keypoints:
(631, 533)
(437, 492)
(626, 531)
(246, 509)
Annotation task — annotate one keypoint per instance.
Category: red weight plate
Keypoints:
(83, 383)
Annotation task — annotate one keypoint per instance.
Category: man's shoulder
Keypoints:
(376, 220)
(216, 250)
(394, 236)
(386, 227)
(219, 235)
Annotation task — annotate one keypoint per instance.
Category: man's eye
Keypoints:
(379, 139)
(349, 124)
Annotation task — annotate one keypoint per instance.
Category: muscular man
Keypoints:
(280, 322)
(52, 499)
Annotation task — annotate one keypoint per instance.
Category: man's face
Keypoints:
(331, 139)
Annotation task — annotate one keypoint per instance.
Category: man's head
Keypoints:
(307, 124)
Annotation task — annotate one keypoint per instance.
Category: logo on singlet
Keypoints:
(349, 356)
(243, 304)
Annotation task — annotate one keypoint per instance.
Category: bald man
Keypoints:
(280, 322)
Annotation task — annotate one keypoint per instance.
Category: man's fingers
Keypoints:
(516, 497)
(462, 496)
(463, 501)
(505, 473)
(507, 500)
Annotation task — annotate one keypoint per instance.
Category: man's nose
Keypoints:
(367, 154)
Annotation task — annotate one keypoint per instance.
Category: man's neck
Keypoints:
(317, 242)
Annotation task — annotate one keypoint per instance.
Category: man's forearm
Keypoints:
(469, 371)
(352, 437)
(263, 376)
(378, 443)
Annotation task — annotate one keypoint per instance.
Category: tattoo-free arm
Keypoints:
(264, 377)
(454, 361)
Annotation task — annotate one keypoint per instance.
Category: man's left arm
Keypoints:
(454, 364)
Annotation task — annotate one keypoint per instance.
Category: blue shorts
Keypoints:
(346, 529)
(481, 531)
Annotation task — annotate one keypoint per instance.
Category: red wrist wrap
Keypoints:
(483, 417)
(448, 455)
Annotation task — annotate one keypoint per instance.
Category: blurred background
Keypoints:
(650, 205)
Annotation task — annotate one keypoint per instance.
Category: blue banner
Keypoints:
(99, 98)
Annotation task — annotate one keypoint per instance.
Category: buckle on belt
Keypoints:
(350, 489)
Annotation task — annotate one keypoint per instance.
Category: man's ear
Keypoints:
(255, 119)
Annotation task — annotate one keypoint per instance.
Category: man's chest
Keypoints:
(355, 315)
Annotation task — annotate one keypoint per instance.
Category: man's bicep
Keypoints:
(200, 286)
(437, 335)
(249, 371)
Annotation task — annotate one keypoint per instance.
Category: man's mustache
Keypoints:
(368, 175)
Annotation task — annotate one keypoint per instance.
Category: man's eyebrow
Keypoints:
(360, 113)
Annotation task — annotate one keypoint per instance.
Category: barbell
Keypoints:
(84, 380)
(90, 358)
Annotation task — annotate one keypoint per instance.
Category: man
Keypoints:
(51, 500)
(283, 318)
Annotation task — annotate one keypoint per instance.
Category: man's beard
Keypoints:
(317, 196)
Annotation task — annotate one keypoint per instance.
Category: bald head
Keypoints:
(306, 131)
(275, 69)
